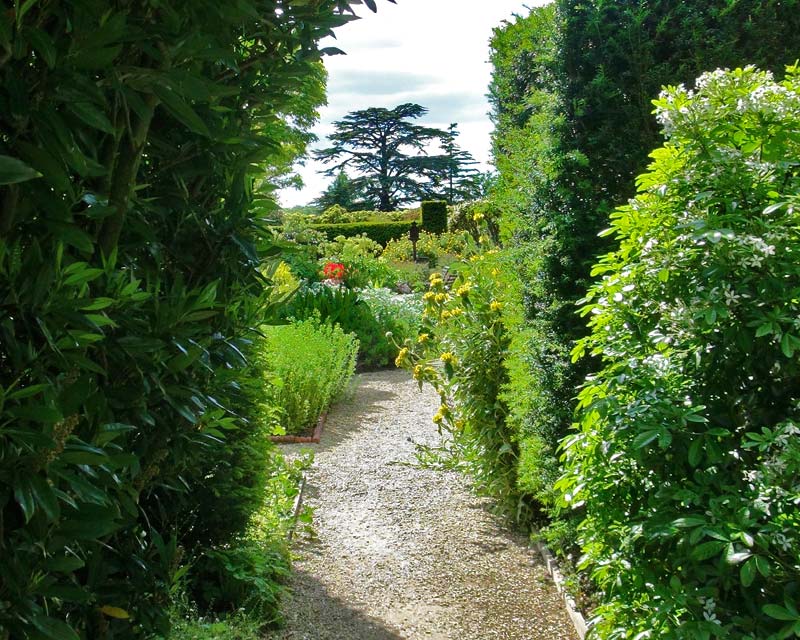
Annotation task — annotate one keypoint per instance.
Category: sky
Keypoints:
(431, 52)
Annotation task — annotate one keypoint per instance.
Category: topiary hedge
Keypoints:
(380, 232)
(434, 216)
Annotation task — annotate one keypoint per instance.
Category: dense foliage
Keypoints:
(130, 135)
(571, 96)
(306, 366)
(687, 459)
(380, 232)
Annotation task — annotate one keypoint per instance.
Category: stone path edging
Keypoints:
(558, 578)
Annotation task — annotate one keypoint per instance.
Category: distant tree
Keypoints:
(460, 180)
(379, 144)
(342, 192)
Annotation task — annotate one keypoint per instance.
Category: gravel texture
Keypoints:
(404, 552)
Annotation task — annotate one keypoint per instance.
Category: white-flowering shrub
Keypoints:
(686, 462)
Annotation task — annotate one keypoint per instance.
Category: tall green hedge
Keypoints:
(571, 95)
(131, 135)
(434, 216)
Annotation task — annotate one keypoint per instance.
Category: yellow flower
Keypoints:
(440, 297)
(495, 305)
(438, 418)
(464, 289)
(448, 358)
(436, 279)
(454, 313)
(423, 338)
(418, 371)
(478, 216)
(428, 296)
(401, 357)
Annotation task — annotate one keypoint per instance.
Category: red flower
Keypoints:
(333, 271)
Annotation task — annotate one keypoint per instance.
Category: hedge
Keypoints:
(434, 216)
(380, 232)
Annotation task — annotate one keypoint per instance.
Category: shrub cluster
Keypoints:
(307, 365)
(380, 232)
(131, 135)
(686, 463)
(571, 98)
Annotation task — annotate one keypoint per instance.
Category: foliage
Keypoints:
(360, 259)
(310, 364)
(459, 181)
(460, 351)
(340, 193)
(686, 463)
(131, 139)
(573, 125)
(380, 232)
(475, 217)
(372, 142)
(368, 314)
(434, 216)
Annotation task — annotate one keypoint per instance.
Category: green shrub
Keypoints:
(380, 232)
(434, 216)
(461, 351)
(362, 262)
(473, 217)
(312, 363)
(368, 314)
(687, 460)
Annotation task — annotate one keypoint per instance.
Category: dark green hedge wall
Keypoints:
(434, 216)
(380, 232)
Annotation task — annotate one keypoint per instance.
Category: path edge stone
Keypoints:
(551, 564)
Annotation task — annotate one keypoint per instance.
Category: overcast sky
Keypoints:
(432, 52)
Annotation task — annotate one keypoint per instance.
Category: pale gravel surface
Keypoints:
(404, 552)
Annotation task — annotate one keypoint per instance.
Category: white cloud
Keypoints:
(432, 52)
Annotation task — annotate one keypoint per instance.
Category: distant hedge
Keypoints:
(380, 232)
(434, 216)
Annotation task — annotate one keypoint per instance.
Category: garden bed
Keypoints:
(311, 439)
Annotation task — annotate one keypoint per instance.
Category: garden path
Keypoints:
(403, 552)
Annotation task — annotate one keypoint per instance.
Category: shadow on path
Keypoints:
(342, 622)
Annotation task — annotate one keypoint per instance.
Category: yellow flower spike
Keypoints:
(429, 295)
(401, 357)
(448, 358)
(464, 289)
(478, 216)
(440, 297)
(454, 313)
(423, 338)
(445, 315)
(495, 305)
(418, 371)
(438, 418)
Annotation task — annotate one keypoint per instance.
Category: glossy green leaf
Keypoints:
(13, 171)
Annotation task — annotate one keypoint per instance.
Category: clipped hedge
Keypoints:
(381, 232)
(434, 216)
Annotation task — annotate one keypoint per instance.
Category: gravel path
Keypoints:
(404, 552)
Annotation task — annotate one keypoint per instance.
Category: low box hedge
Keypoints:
(380, 232)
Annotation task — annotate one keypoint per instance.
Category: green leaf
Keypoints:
(54, 629)
(45, 497)
(708, 549)
(23, 494)
(696, 452)
(91, 115)
(787, 346)
(778, 613)
(43, 45)
(747, 574)
(65, 564)
(181, 110)
(644, 438)
(13, 171)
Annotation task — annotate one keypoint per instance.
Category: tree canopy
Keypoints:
(388, 152)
